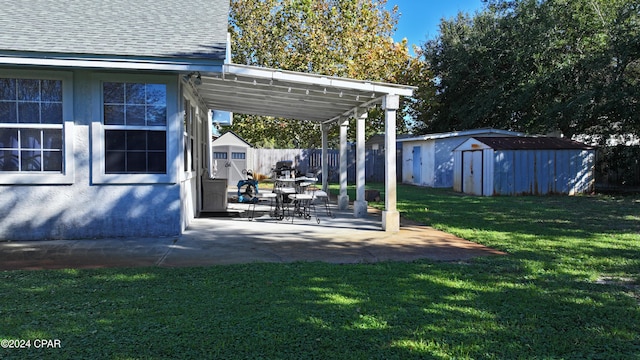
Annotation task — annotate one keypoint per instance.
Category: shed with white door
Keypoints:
(427, 160)
(232, 156)
(523, 166)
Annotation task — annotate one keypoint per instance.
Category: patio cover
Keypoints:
(323, 99)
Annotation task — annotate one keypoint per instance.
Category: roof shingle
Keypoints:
(130, 28)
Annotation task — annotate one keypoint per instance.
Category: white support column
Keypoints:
(343, 199)
(360, 204)
(325, 157)
(390, 215)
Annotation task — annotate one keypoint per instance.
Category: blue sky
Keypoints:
(419, 19)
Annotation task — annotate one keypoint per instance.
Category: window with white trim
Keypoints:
(135, 127)
(35, 139)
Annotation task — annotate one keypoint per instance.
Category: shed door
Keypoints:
(472, 172)
(221, 162)
(238, 160)
(417, 165)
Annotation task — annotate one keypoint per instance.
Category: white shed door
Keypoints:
(238, 164)
(472, 172)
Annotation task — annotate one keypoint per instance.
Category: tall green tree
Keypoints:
(538, 66)
(347, 38)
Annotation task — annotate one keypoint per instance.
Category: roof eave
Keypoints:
(174, 64)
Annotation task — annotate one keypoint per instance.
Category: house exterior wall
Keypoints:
(91, 205)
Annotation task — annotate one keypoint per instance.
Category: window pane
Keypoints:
(28, 113)
(8, 160)
(114, 114)
(157, 140)
(135, 93)
(52, 113)
(135, 115)
(156, 115)
(28, 90)
(52, 139)
(113, 93)
(30, 139)
(158, 162)
(8, 89)
(8, 112)
(115, 162)
(52, 161)
(157, 95)
(135, 151)
(30, 160)
(8, 138)
(115, 140)
(31, 101)
(136, 140)
(136, 162)
(219, 155)
(52, 90)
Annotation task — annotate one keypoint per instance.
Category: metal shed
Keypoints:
(523, 166)
(427, 160)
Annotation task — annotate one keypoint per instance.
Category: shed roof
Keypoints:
(229, 133)
(140, 28)
(531, 143)
(452, 134)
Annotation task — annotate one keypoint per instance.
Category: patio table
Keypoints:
(293, 199)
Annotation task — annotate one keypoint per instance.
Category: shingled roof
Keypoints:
(127, 28)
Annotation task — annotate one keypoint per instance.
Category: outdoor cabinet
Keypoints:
(214, 194)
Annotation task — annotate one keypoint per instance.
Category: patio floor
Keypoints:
(232, 240)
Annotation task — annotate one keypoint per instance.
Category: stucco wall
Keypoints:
(84, 209)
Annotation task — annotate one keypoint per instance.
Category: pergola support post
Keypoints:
(390, 215)
(325, 157)
(360, 204)
(343, 198)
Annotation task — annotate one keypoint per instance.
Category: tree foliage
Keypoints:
(538, 66)
(347, 38)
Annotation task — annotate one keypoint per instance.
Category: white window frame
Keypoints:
(192, 109)
(53, 178)
(98, 173)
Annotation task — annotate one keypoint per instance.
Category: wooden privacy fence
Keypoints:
(310, 160)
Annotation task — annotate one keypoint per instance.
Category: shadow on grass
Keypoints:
(586, 233)
(313, 310)
(539, 302)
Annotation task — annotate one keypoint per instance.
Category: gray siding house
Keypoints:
(104, 113)
(95, 113)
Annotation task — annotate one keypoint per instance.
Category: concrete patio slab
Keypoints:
(217, 241)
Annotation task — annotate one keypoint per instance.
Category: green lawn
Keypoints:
(567, 290)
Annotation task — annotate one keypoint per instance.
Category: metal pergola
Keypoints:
(321, 99)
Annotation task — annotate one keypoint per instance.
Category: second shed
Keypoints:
(523, 166)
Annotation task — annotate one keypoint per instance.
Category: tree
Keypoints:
(347, 38)
(538, 66)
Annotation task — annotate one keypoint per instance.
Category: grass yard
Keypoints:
(567, 290)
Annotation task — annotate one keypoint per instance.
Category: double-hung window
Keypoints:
(133, 135)
(35, 140)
